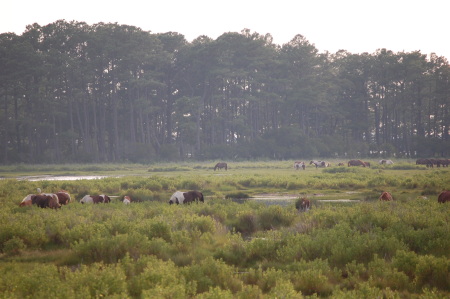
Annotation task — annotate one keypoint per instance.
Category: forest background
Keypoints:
(72, 92)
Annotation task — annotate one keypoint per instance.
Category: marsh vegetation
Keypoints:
(246, 241)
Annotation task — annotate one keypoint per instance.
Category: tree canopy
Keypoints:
(72, 92)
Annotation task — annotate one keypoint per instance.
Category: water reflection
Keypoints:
(60, 178)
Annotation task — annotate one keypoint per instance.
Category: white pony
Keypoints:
(126, 200)
(387, 162)
(177, 197)
(298, 165)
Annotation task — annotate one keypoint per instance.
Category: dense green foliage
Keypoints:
(228, 249)
(73, 92)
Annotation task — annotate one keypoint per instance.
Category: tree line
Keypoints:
(73, 92)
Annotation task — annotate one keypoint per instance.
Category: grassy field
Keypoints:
(246, 241)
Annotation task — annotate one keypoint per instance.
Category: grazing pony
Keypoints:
(126, 200)
(303, 204)
(367, 164)
(177, 197)
(298, 164)
(341, 164)
(63, 197)
(27, 200)
(386, 196)
(385, 162)
(192, 196)
(426, 162)
(186, 197)
(356, 163)
(221, 165)
(95, 199)
(46, 200)
(444, 196)
(319, 163)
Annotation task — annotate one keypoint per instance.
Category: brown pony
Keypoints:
(193, 196)
(367, 164)
(356, 163)
(303, 204)
(63, 197)
(444, 196)
(221, 165)
(386, 196)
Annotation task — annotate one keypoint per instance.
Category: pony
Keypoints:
(385, 162)
(356, 163)
(319, 163)
(177, 197)
(95, 199)
(126, 200)
(341, 164)
(63, 197)
(386, 196)
(46, 200)
(298, 164)
(186, 197)
(444, 196)
(192, 196)
(367, 164)
(221, 165)
(426, 162)
(303, 204)
(27, 200)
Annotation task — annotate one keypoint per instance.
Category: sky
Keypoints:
(354, 25)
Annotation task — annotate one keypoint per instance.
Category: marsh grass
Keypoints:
(224, 248)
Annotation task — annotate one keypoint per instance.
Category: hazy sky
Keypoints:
(354, 25)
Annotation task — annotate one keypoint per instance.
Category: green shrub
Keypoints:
(111, 249)
(433, 272)
(96, 280)
(246, 222)
(275, 216)
(14, 246)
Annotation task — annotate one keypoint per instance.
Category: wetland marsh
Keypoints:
(246, 241)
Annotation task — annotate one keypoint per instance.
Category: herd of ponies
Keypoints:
(62, 197)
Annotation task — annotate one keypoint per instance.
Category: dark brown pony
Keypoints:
(221, 165)
(367, 164)
(426, 162)
(444, 196)
(193, 196)
(303, 204)
(356, 163)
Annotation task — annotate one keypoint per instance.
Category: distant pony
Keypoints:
(386, 196)
(303, 204)
(186, 197)
(193, 196)
(367, 164)
(298, 164)
(385, 162)
(319, 163)
(356, 163)
(426, 162)
(221, 165)
(126, 200)
(444, 196)
(177, 197)
(63, 197)
(96, 199)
